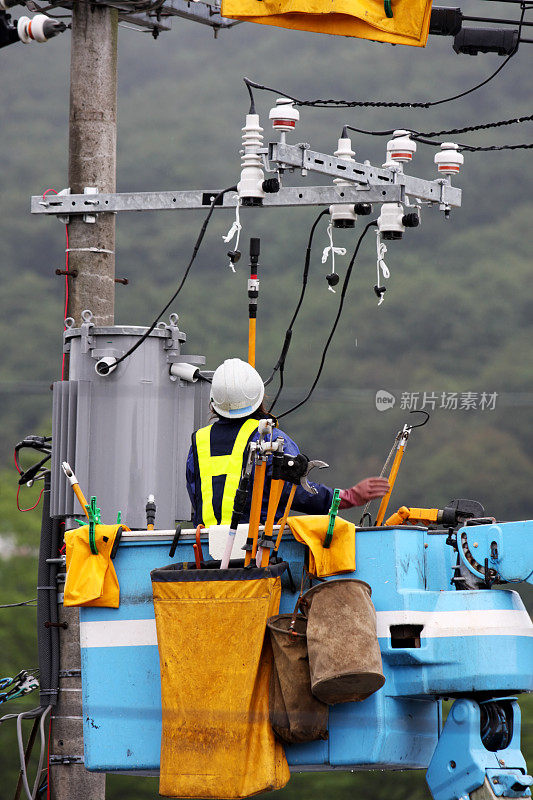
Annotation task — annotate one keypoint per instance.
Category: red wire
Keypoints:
(16, 462)
(31, 507)
(66, 285)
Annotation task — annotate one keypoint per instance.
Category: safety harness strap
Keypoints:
(229, 465)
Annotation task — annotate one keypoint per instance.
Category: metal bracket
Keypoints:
(299, 155)
(176, 337)
(87, 341)
(199, 198)
(91, 218)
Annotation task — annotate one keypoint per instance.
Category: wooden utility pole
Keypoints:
(92, 163)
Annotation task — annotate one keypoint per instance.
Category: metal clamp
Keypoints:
(66, 760)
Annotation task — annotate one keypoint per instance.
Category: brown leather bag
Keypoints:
(295, 714)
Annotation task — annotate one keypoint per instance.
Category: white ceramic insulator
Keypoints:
(449, 160)
(284, 116)
(29, 29)
(401, 147)
(186, 372)
(390, 218)
(252, 175)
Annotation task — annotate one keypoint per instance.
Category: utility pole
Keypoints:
(92, 163)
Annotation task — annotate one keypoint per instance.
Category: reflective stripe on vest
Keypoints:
(212, 466)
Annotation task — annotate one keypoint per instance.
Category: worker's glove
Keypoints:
(363, 491)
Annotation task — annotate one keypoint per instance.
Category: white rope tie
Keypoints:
(335, 251)
(381, 267)
(235, 230)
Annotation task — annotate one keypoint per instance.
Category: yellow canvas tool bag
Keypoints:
(91, 579)
(344, 655)
(216, 738)
(365, 19)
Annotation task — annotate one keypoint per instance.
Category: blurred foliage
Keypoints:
(456, 317)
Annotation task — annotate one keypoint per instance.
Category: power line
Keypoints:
(280, 365)
(335, 323)
(450, 132)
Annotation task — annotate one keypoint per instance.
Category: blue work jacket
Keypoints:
(223, 435)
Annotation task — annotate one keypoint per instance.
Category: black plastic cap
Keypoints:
(363, 209)
(271, 185)
(445, 21)
(344, 223)
(472, 41)
(255, 247)
(411, 220)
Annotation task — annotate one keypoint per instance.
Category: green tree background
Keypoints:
(457, 313)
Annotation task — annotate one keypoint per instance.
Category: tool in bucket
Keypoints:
(197, 547)
(400, 443)
(266, 543)
(262, 448)
(239, 503)
(333, 511)
(295, 470)
(92, 512)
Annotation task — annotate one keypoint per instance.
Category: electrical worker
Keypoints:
(217, 453)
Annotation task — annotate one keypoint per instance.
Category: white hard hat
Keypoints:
(237, 389)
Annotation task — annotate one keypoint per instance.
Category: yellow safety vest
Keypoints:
(211, 467)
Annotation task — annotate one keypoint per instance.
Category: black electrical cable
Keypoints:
(178, 290)
(474, 149)
(28, 603)
(450, 132)
(332, 103)
(336, 322)
(252, 100)
(280, 365)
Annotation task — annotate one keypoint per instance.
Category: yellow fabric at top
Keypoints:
(211, 466)
(365, 19)
(91, 579)
(216, 739)
(339, 557)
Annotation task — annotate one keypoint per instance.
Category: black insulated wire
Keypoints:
(280, 365)
(203, 229)
(451, 132)
(252, 100)
(335, 323)
(332, 103)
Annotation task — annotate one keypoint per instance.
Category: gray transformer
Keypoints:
(126, 434)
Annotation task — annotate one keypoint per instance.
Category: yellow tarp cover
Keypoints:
(365, 19)
(91, 579)
(216, 739)
(339, 557)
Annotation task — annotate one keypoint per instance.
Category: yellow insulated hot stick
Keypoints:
(251, 340)
(253, 294)
(65, 466)
(392, 477)
(402, 443)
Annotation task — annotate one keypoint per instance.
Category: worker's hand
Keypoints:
(363, 491)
